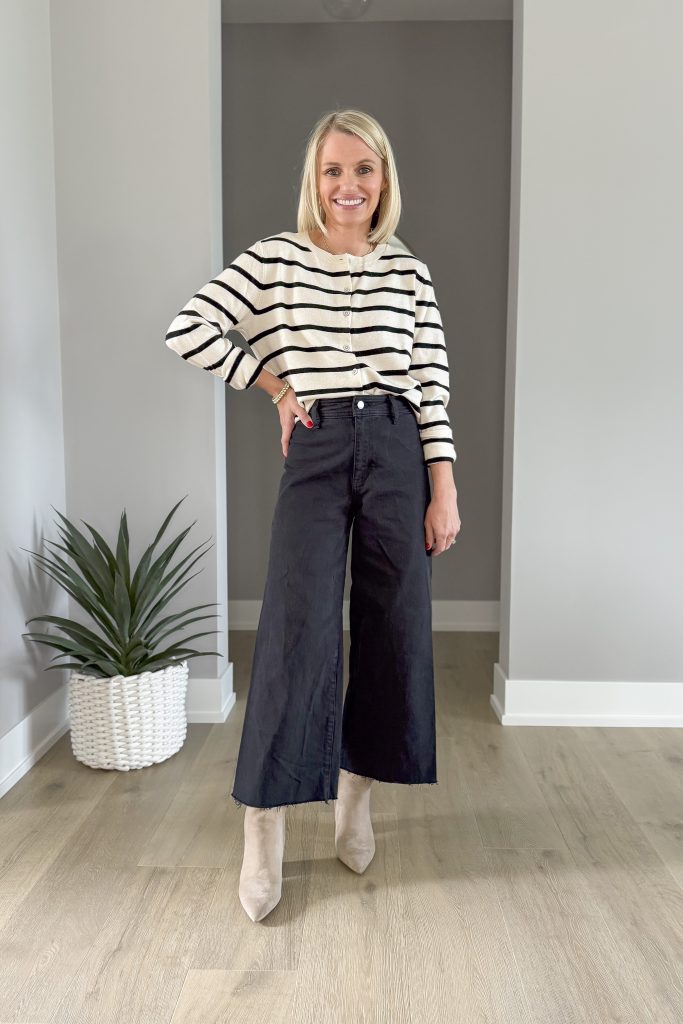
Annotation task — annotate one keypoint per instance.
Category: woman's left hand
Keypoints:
(442, 521)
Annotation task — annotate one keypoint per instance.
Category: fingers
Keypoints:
(436, 546)
(288, 422)
(304, 417)
(297, 410)
(284, 440)
(285, 437)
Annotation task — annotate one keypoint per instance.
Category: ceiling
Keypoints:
(268, 11)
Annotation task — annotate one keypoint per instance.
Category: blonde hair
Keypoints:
(354, 122)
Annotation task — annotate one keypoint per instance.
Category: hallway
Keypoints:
(539, 881)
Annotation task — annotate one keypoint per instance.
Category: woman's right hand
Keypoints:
(288, 409)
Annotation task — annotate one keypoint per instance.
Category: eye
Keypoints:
(363, 168)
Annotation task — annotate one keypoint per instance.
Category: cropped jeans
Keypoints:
(359, 472)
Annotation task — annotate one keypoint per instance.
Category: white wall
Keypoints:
(134, 188)
(593, 590)
(137, 158)
(31, 436)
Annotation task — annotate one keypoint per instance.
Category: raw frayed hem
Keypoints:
(239, 804)
(281, 807)
(332, 800)
(387, 782)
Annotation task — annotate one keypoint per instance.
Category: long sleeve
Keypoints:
(226, 303)
(429, 366)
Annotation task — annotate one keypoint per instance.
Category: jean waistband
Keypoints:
(349, 406)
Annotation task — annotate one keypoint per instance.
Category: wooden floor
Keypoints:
(539, 881)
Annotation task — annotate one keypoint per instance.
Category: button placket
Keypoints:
(354, 263)
(347, 312)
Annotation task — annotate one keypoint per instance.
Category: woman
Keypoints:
(346, 337)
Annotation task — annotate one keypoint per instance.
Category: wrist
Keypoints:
(269, 383)
(442, 477)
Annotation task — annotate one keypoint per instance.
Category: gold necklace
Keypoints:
(371, 249)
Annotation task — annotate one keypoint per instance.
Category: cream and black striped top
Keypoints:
(330, 325)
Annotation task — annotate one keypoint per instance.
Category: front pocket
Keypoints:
(297, 441)
(407, 433)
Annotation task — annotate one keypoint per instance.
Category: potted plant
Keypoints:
(128, 709)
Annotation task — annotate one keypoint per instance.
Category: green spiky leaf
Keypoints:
(127, 606)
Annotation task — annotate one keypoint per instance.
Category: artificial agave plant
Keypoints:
(127, 608)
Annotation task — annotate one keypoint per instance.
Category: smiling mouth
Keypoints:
(349, 204)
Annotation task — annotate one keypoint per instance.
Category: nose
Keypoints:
(347, 184)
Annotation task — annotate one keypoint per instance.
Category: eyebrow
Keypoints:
(335, 163)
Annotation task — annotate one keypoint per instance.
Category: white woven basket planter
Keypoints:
(128, 722)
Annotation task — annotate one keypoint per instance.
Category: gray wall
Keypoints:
(442, 91)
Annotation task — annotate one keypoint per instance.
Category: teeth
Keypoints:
(349, 202)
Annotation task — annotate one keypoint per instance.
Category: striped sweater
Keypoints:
(329, 324)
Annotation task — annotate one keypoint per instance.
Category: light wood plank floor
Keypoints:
(539, 881)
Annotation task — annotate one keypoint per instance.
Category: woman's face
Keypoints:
(348, 169)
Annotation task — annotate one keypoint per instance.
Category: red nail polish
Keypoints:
(310, 423)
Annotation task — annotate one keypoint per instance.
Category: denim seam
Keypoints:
(332, 720)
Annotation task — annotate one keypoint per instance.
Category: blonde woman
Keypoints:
(346, 338)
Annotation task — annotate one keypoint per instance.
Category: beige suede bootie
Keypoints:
(354, 840)
(260, 886)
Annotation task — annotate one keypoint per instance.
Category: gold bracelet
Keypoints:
(276, 398)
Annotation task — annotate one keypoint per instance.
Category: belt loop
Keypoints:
(392, 408)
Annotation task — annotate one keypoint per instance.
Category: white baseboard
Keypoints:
(558, 702)
(211, 700)
(208, 700)
(32, 737)
(566, 702)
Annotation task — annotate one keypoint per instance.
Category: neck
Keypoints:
(340, 240)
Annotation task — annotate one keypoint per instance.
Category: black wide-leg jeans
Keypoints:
(358, 471)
